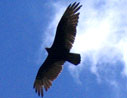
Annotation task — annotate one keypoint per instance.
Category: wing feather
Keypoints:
(66, 29)
(45, 79)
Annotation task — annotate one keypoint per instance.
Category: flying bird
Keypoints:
(59, 52)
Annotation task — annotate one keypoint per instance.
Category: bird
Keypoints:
(59, 52)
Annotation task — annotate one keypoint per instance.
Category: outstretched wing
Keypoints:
(46, 74)
(66, 30)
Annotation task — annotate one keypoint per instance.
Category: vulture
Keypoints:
(59, 52)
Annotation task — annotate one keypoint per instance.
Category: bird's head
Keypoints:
(47, 49)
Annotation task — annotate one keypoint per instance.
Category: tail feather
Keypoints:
(74, 58)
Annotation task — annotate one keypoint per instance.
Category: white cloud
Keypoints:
(102, 33)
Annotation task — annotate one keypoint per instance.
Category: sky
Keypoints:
(28, 26)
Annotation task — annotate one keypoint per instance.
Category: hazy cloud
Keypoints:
(102, 34)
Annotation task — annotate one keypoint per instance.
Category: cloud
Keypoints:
(101, 38)
(102, 34)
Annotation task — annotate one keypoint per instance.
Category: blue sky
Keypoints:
(28, 26)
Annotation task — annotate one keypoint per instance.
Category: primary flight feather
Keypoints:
(60, 50)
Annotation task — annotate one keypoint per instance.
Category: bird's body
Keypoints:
(59, 52)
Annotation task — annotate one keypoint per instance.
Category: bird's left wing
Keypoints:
(45, 76)
(66, 29)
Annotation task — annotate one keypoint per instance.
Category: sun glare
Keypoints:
(94, 37)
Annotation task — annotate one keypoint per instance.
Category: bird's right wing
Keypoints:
(46, 74)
